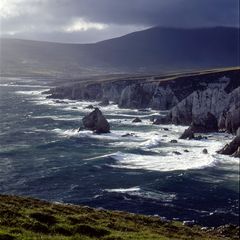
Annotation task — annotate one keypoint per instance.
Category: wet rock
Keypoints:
(177, 153)
(104, 102)
(186, 150)
(174, 141)
(74, 108)
(232, 148)
(199, 137)
(205, 151)
(166, 129)
(128, 135)
(136, 120)
(96, 122)
(89, 107)
(187, 134)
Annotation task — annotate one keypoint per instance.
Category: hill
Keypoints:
(152, 50)
(27, 218)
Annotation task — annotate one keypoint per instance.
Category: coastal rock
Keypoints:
(136, 120)
(173, 141)
(232, 148)
(187, 134)
(177, 153)
(205, 151)
(199, 108)
(89, 107)
(96, 122)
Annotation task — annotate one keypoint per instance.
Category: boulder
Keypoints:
(136, 120)
(205, 151)
(96, 122)
(89, 107)
(187, 134)
(173, 141)
(177, 153)
(232, 148)
(237, 153)
(200, 137)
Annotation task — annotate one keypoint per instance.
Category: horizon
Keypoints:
(86, 43)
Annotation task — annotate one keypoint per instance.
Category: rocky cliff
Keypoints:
(189, 97)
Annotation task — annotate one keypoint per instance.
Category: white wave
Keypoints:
(123, 190)
(170, 162)
(139, 192)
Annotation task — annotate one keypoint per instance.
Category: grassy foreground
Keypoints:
(29, 219)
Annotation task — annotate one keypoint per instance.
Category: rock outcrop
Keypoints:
(208, 101)
(187, 134)
(96, 122)
(233, 148)
(136, 120)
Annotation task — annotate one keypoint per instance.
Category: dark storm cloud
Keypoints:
(93, 20)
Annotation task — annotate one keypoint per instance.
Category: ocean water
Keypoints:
(43, 155)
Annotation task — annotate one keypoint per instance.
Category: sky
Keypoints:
(87, 21)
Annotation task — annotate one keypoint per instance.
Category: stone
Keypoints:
(128, 135)
(232, 148)
(136, 120)
(96, 122)
(89, 107)
(187, 134)
(199, 137)
(205, 151)
(177, 153)
(237, 153)
(186, 150)
(173, 141)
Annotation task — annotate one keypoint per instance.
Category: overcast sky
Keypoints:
(94, 20)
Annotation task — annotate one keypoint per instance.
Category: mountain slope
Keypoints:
(152, 50)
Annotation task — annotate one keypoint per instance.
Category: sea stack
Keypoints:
(96, 122)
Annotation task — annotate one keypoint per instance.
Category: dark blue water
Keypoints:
(42, 155)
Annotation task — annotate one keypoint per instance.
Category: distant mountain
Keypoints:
(152, 50)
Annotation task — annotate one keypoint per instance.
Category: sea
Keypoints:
(134, 168)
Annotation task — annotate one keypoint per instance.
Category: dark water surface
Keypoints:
(43, 155)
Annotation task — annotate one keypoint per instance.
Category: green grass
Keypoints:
(30, 219)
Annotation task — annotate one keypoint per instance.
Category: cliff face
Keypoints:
(189, 97)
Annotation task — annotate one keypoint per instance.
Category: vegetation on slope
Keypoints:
(29, 219)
